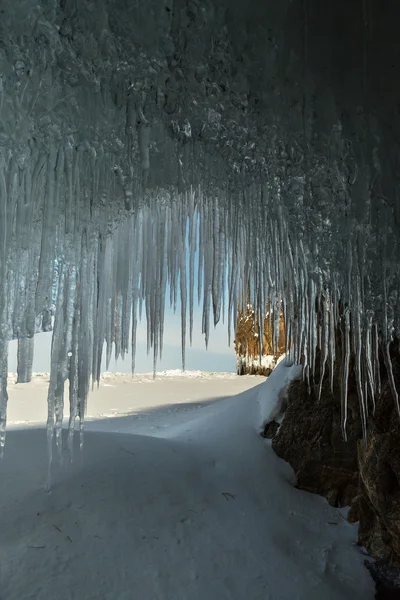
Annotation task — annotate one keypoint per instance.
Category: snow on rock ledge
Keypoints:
(272, 395)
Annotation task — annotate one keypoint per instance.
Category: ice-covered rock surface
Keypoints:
(193, 148)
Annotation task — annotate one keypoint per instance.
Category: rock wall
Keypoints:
(377, 506)
(364, 476)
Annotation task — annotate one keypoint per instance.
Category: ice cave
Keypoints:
(224, 152)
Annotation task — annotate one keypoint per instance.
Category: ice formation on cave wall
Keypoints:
(260, 137)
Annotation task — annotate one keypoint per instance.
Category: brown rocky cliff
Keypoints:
(247, 343)
(365, 476)
(377, 506)
(311, 440)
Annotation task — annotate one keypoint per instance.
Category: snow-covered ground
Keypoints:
(147, 403)
(188, 503)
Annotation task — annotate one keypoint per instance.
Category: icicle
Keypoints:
(183, 287)
(125, 282)
(276, 324)
(73, 377)
(357, 344)
(6, 218)
(332, 339)
(135, 300)
(156, 295)
(370, 380)
(64, 354)
(208, 269)
(55, 350)
(192, 252)
(104, 276)
(134, 331)
(118, 325)
(25, 359)
(110, 296)
(375, 356)
(345, 376)
(162, 283)
(200, 267)
(216, 289)
(3, 392)
(232, 281)
(389, 368)
(312, 343)
(325, 339)
(386, 342)
(54, 182)
(84, 332)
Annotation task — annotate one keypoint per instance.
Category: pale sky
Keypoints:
(218, 357)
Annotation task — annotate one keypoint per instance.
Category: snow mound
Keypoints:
(272, 398)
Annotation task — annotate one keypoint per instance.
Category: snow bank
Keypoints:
(272, 395)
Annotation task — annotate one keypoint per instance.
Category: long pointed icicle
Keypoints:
(345, 374)
(131, 262)
(325, 341)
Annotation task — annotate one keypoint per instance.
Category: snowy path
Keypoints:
(203, 511)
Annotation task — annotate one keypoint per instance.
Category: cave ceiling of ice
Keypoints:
(260, 138)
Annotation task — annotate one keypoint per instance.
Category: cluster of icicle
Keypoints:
(212, 249)
(133, 151)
